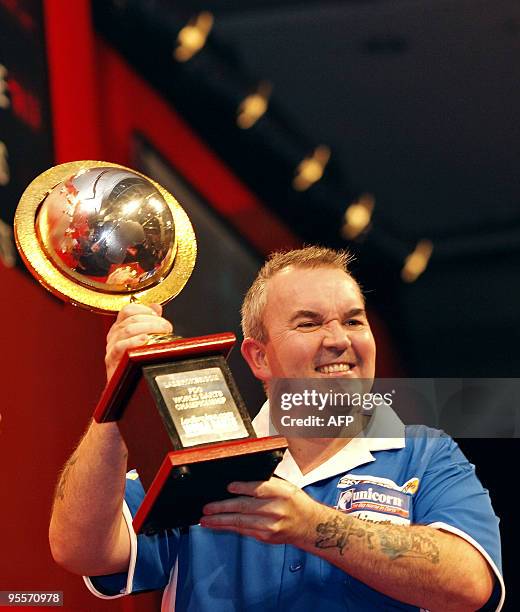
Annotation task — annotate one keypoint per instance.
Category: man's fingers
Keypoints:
(235, 522)
(142, 325)
(271, 511)
(130, 330)
(246, 488)
(138, 308)
(274, 487)
(243, 505)
(139, 324)
(260, 528)
(118, 348)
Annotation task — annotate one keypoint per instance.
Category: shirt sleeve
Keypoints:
(452, 498)
(151, 557)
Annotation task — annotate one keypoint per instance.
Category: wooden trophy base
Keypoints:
(189, 479)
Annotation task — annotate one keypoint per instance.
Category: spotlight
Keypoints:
(193, 36)
(310, 170)
(358, 216)
(4, 90)
(5, 174)
(415, 263)
(7, 250)
(254, 106)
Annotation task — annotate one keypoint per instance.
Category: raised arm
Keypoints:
(88, 534)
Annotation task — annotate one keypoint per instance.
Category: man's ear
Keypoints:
(253, 352)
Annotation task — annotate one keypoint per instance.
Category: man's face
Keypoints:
(317, 326)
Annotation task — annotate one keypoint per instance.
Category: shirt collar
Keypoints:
(385, 423)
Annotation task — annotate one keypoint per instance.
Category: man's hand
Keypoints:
(130, 330)
(274, 511)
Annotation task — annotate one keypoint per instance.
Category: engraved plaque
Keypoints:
(201, 406)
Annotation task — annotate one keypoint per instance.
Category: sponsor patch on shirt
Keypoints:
(376, 499)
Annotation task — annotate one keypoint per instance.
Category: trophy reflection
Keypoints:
(100, 235)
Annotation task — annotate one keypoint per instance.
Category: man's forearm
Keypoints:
(414, 564)
(87, 531)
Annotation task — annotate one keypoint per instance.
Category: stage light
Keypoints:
(310, 170)
(415, 263)
(254, 106)
(4, 90)
(7, 250)
(5, 174)
(192, 38)
(358, 216)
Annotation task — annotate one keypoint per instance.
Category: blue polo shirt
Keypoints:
(421, 478)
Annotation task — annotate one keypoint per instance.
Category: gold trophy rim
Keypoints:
(55, 281)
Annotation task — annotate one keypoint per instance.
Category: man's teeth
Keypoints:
(335, 367)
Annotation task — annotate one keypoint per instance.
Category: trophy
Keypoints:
(100, 236)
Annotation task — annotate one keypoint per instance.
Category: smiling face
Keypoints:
(316, 328)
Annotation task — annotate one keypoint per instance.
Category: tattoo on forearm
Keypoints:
(60, 489)
(403, 542)
(395, 541)
(338, 532)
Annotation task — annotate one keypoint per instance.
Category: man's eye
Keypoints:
(307, 325)
(354, 322)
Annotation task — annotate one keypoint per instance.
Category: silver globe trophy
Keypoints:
(100, 236)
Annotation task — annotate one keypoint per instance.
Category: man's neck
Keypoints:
(310, 453)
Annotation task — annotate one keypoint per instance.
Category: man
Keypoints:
(290, 543)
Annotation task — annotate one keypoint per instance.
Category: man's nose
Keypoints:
(336, 336)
